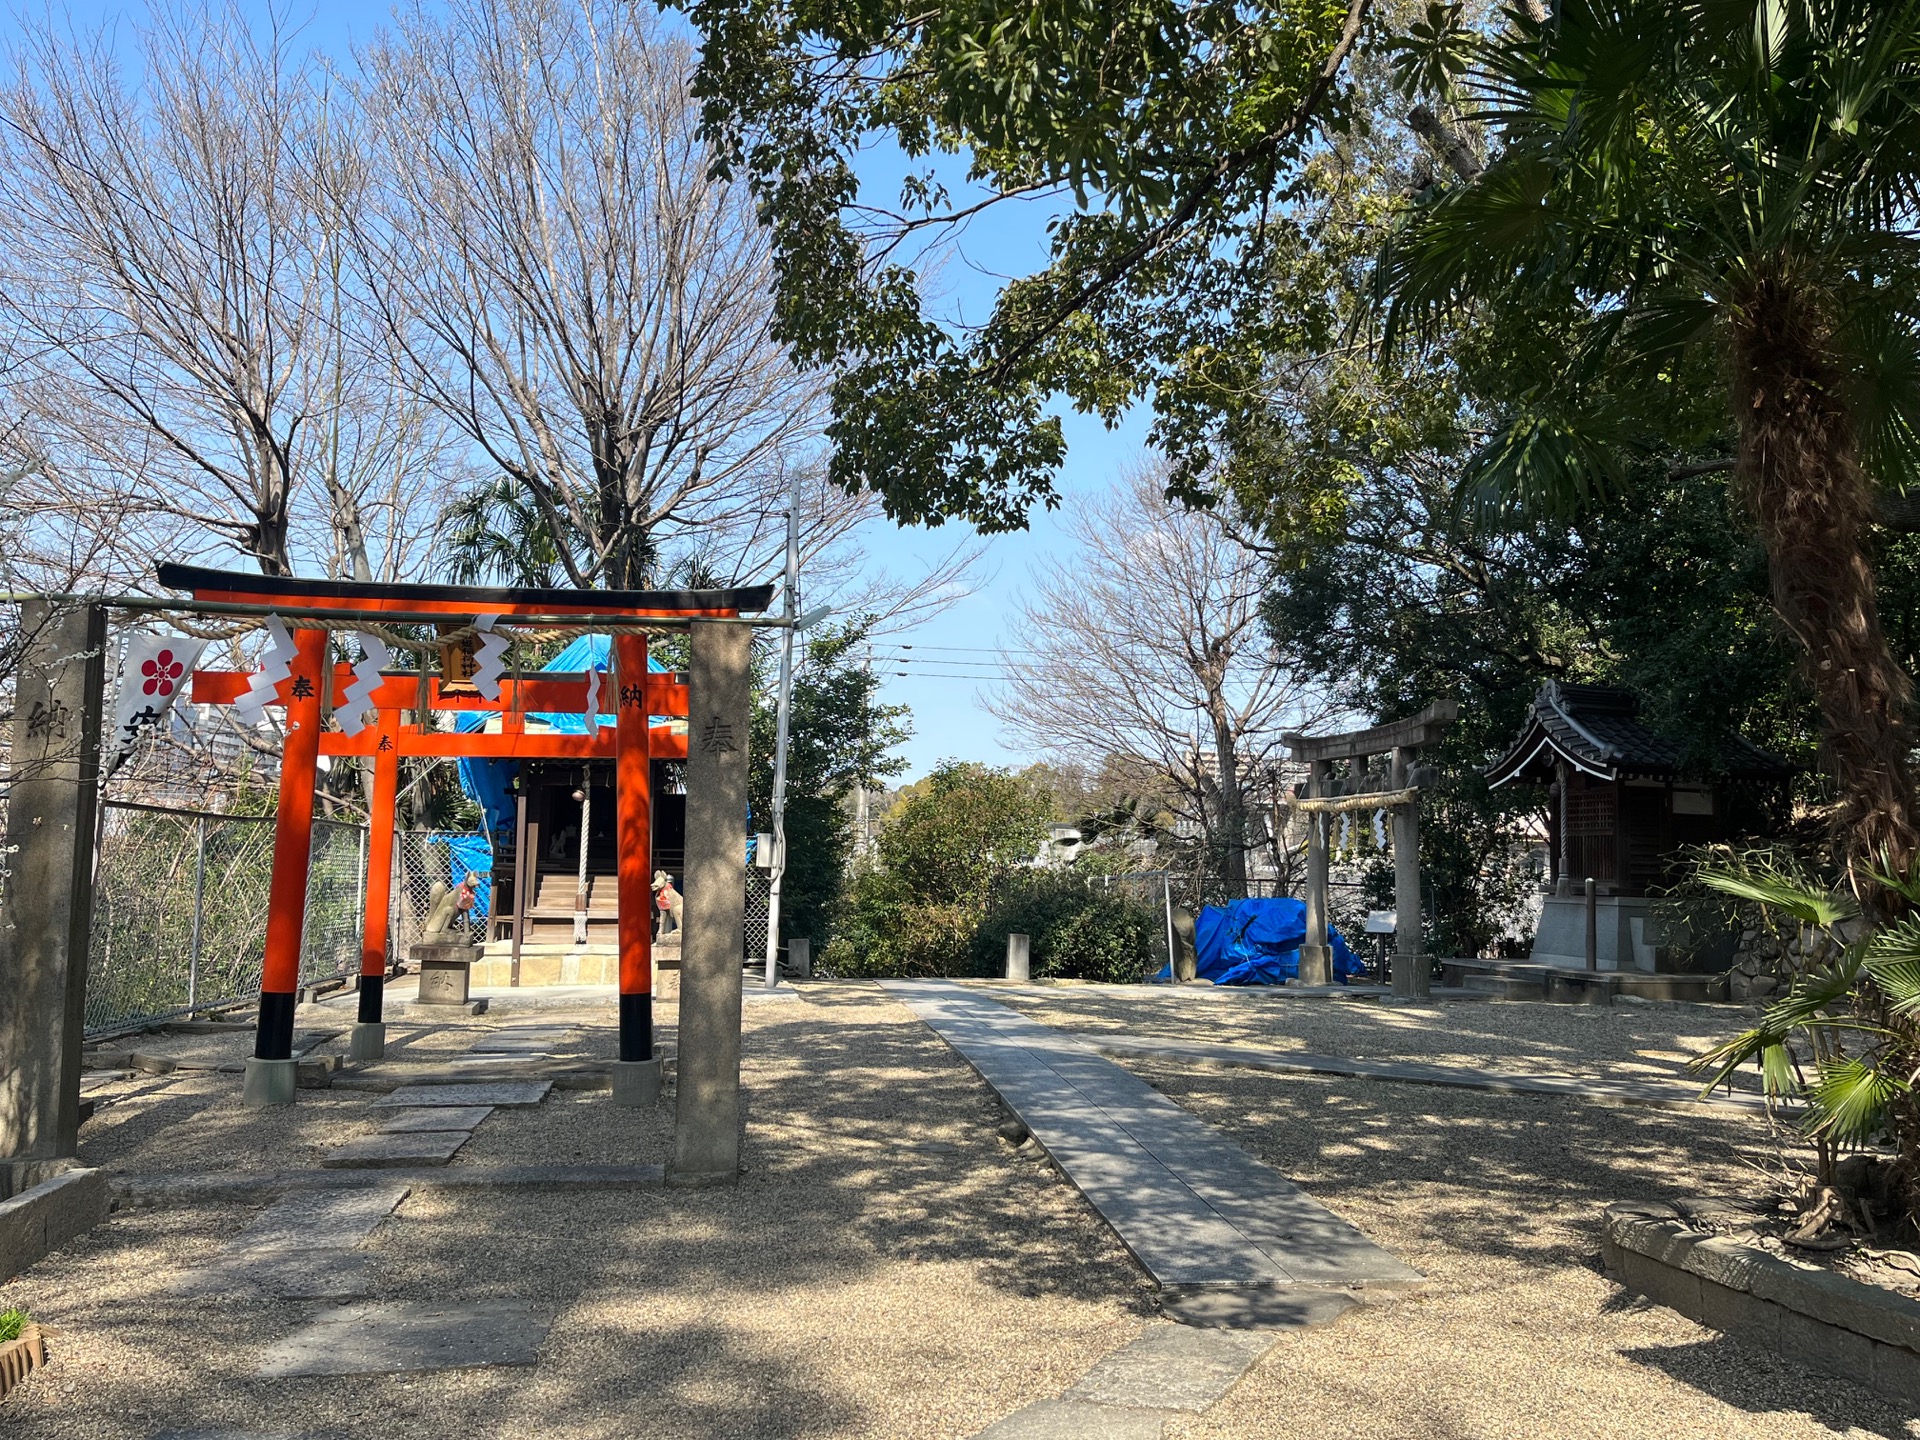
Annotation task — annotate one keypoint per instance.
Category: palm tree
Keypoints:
(1707, 197)
(496, 533)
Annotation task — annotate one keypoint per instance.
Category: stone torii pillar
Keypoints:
(706, 1130)
(1325, 797)
(47, 905)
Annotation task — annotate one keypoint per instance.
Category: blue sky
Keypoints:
(959, 645)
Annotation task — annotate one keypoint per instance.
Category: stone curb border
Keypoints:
(1817, 1318)
(46, 1216)
(151, 1189)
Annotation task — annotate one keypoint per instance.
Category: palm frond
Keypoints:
(1884, 389)
(1888, 877)
(1849, 1099)
(1539, 465)
(1807, 902)
(1892, 958)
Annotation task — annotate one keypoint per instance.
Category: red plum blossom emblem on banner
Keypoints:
(163, 672)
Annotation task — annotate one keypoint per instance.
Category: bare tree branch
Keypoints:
(570, 287)
(1150, 649)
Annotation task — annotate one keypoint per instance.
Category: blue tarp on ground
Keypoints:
(1257, 942)
(486, 781)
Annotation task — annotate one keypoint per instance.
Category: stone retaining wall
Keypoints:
(45, 1217)
(1819, 1318)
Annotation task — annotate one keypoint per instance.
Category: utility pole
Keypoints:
(782, 714)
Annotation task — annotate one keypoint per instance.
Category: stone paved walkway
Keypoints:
(1196, 1210)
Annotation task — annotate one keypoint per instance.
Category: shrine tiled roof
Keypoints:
(1597, 729)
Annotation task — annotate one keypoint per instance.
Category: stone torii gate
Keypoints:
(1394, 788)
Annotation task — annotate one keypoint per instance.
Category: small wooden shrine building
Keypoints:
(1622, 803)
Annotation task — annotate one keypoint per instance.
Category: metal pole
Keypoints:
(580, 878)
(783, 715)
(1166, 895)
(199, 908)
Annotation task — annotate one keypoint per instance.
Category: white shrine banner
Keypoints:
(356, 710)
(156, 669)
(490, 660)
(275, 666)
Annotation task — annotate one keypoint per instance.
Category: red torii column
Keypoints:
(270, 1073)
(369, 1040)
(636, 1078)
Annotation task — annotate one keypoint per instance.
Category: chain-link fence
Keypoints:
(759, 904)
(424, 858)
(180, 910)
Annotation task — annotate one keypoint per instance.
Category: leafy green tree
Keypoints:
(944, 846)
(839, 736)
(1166, 135)
(1414, 599)
(1685, 191)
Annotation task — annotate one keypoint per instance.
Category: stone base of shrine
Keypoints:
(1627, 935)
(561, 964)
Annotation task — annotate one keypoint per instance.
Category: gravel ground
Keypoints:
(888, 1267)
(1496, 1200)
(883, 1257)
(1625, 1041)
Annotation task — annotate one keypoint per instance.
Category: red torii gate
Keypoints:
(313, 688)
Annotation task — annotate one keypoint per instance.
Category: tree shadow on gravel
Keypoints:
(1530, 1174)
(1762, 1383)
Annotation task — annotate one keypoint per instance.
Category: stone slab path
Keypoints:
(303, 1247)
(389, 1150)
(501, 1093)
(400, 1336)
(1132, 1393)
(1194, 1208)
(252, 1186)
(437, 1117)
(1414, 1072)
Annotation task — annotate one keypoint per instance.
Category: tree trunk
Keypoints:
(1233, 810)
(1799, 468)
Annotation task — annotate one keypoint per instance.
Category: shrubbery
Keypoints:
(944, 848)
(950, 880)
(1078, 931)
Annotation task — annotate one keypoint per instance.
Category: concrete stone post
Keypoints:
(1316, 956)
(1019, 957)
(706, 1134)
(800, 957)
(1593, 926)
(1412, 973)
(47, 908)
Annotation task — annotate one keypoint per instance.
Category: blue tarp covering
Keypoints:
(1257, 942)
(485, 781)
(472, 852)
